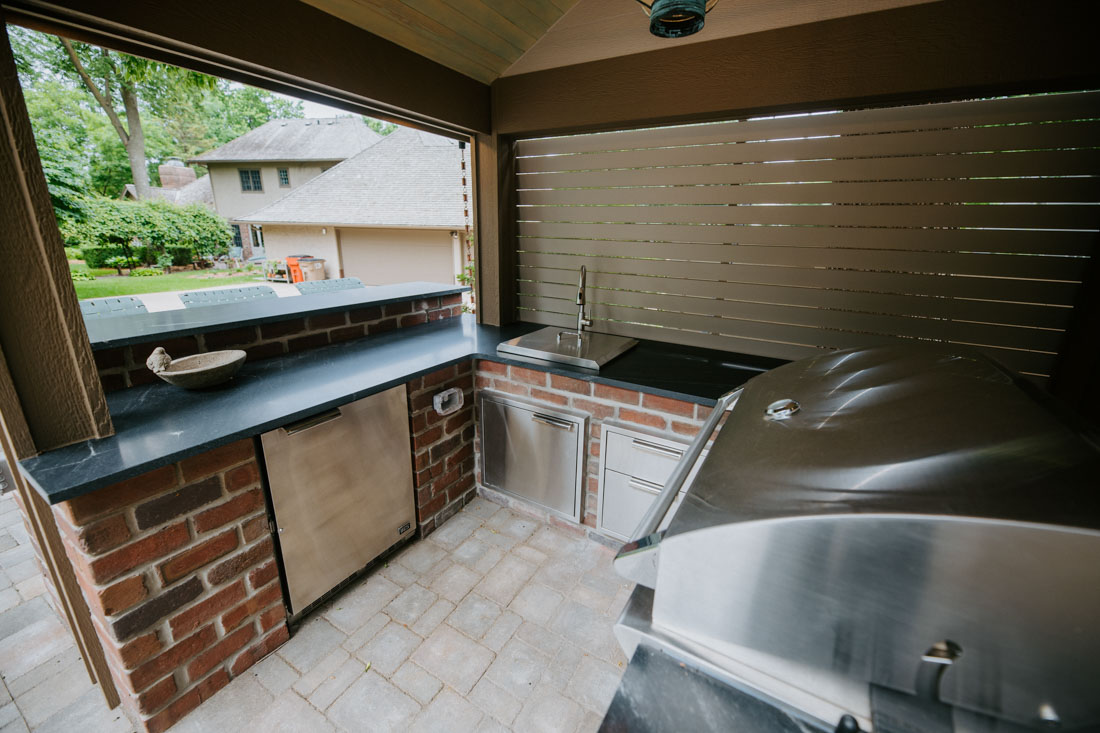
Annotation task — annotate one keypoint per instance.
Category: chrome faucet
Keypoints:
(581, 320)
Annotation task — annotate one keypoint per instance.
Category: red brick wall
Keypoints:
(125, 366)
(675, 419)
(178, 569)
(442, 446)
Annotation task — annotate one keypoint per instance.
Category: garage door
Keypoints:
(387, 256)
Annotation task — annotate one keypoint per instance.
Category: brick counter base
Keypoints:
(674, 419)
(125, 366)
(178, 569)
(442, 446)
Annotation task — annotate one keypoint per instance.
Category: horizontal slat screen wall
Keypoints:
(968, 222)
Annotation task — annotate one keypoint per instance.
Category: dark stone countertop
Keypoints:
(158, 424)
(107, 333)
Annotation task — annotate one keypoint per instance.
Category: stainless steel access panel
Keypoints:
(533, 453)
(341, 488)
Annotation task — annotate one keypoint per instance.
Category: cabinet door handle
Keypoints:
(553, 422)
(658, 449)
(641, 483)
(312, 422)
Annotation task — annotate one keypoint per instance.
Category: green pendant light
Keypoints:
(676, 18)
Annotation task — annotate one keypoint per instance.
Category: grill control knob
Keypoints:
(782, 409)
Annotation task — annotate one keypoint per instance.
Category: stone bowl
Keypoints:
(203, 370)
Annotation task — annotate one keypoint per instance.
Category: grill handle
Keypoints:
(652, 519)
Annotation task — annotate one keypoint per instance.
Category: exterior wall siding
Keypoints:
(663, 416)
(283, 241)
(125, 366)
(177, 566)
(231, 202)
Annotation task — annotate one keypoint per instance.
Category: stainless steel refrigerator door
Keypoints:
(533, 453)
(341, 487)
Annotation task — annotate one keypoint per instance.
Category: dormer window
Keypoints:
(250, 179)
(284, 178)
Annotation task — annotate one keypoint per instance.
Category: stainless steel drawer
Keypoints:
(650, 459)
(533, 453)
(625, 501)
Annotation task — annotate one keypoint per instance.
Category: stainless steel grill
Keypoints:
(890, 533)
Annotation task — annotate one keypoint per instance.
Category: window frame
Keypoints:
(284, 177)
(255, 182)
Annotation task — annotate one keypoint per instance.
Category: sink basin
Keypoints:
(558, 346)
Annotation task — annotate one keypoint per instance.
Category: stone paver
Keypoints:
(496, 622)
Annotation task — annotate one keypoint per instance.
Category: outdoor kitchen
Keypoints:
(773, 413)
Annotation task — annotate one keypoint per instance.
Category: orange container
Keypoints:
(294, 269)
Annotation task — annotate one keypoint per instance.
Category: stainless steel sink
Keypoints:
(558, 346)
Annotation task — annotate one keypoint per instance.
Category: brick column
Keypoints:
(178, 568)
(442, 446)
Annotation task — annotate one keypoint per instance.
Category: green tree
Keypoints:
(122, 86)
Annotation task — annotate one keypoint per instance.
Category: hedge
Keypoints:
(160, 226)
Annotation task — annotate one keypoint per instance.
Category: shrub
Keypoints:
(81, 275)
(97, 256)
(146, 272)
(72, 253)
(180, 254)
(158, 225)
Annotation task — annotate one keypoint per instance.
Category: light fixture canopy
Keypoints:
(676, 18)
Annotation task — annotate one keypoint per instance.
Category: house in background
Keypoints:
(393, 213)
(178, 186)
(263, 165)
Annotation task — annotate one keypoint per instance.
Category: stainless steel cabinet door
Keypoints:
(341, 486)
(533, 453)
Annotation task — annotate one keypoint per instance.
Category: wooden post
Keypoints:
(41, 330)
(50, 395)
(495, 207)
(14, 432)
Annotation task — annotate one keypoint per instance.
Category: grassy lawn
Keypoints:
(103, 287)
(95, 272)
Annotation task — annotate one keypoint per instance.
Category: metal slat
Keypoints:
(1049, 136)
(610, 319)
(1028, 291)
(961, 165)
(1015, 216)
(925, 306)
(917, 117)
(1062, 190)
(966, 223)
(1012, 337)
(1075, 243)
(895, 260)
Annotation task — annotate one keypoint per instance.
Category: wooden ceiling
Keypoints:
(601, 29)
(487, 39)
(479, 38)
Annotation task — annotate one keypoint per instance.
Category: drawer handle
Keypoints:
(312, 422)
(553, 422)
(658, 449)
(641, 483)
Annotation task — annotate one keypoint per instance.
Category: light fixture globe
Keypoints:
(676, 18)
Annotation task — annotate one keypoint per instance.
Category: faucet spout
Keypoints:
(581, 320)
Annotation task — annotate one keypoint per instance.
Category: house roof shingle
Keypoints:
(409, 179)
(196, 192)
(333, 138)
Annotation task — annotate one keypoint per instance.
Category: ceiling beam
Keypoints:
(282, 45)
(938, 51)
